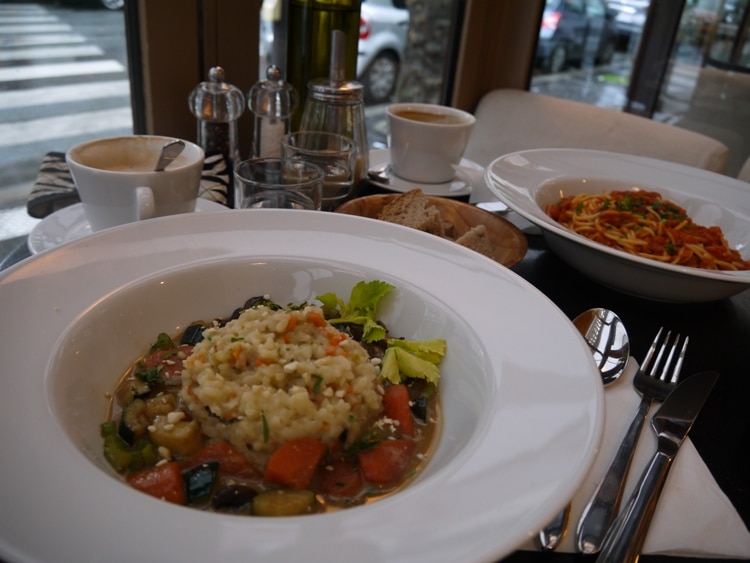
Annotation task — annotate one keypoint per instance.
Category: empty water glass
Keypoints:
(334, 153)
(264, 183)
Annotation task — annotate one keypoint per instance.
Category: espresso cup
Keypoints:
(427, 141)
(117, 183)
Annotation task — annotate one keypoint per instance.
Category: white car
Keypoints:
(383, 27)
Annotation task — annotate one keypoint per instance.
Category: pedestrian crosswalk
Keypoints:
(63, 79)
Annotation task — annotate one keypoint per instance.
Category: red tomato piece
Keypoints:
(170, 360)
(388, 462)
(396, 405)
(341, 477)
(162, 481)
(294, 464)
(231, 461)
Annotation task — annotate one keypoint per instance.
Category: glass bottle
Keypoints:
(309, 33)
(336, 105)
(217, 105)
(272, 102)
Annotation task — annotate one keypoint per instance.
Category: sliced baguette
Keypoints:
(413, 209)
(478, 240)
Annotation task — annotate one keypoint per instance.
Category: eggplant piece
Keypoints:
(133, 421)
(200, 480)
(193, 334)
(419, 408)
(233, 497)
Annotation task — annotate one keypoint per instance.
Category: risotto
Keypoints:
(271, 376)
(278, 411)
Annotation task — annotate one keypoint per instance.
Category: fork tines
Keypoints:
(677, 367)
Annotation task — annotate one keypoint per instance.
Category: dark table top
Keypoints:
(718, 333)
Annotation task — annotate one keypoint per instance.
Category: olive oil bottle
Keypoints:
(309, 42)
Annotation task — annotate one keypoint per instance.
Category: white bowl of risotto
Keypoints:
(631, 257)
(520, 411)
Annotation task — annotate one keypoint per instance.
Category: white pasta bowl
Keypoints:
(522, 409)
(530, 180)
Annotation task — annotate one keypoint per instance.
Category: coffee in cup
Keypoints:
(427, 141)
(117, 181)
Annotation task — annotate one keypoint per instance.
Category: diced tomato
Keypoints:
(396, 405)
(339, 477)
(388, 462)
(162, 481)
(294, 463)
(171, 360)
(231, 462)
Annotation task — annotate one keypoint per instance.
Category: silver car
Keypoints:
(383, 27)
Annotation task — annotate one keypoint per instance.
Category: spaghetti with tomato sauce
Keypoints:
(644, 224)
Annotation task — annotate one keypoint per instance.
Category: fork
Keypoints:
(652, 385)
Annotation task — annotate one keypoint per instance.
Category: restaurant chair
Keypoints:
(745, 171)
(512, 120)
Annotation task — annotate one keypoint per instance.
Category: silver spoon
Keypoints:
(608, 340)
(169, 152)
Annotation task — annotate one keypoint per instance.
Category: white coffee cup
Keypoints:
(427, 141)
(117, 183)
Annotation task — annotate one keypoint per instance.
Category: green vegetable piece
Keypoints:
(413, 366)
(283, 502)
(116, 451)
(430, 350)
(389, 367)
(163, 342)
(361, 308)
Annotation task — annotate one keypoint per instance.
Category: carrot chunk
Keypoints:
(162, 481)
(294, 464)
(387, 462)
(396, 405)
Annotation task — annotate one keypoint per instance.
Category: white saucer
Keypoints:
(70, 223)
(460, 186)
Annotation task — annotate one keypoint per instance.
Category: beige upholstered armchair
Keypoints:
(512, 120)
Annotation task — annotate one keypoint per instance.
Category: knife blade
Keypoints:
(671, 422)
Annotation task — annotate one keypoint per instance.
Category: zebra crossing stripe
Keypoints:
(51, 53)
(59, 70)
(85, 123)
(15, 99)
(51, 39)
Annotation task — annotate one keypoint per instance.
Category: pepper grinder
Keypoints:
(272, 101)
(337, 105)
(217, 105)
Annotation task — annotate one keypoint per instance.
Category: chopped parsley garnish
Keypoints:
(265, 425)
(318, 383)
(163, 342)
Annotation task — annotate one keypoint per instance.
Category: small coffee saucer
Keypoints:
(380, 175)
(70, 223)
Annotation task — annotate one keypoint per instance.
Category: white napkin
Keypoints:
(693, 518)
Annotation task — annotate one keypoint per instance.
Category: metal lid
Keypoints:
(216, 100)
(272, 97)
(336, 89)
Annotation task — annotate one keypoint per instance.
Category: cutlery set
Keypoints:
(619, 537)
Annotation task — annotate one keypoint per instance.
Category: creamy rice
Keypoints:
(271, 376)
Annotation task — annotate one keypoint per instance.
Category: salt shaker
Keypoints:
(337, 105)
(272, 101)
(217, 105)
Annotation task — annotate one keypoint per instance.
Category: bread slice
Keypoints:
(413, 209)
(477, 239)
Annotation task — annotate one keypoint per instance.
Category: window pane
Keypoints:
(63, 80)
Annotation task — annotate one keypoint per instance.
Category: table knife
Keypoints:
(671, 422)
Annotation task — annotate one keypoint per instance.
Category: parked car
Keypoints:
(573, 31)
(383, 27)
(630, 16)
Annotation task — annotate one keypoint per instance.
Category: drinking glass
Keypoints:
(334, 153)
(264, 183)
